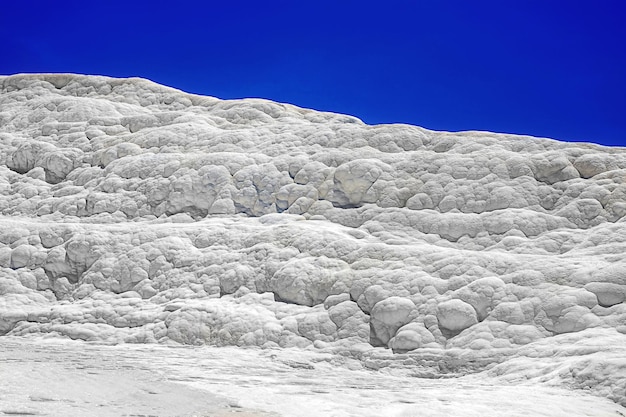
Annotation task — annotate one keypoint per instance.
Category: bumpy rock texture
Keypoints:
(132, 212)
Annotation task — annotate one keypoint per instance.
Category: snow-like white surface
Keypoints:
(135, 213)
(72, 379)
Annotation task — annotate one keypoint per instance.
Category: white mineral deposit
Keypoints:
(168, 254)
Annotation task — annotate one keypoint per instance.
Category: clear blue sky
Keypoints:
(545, 68)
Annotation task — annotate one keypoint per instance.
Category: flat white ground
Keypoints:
(63, 378)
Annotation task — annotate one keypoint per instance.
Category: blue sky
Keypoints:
(544, 68)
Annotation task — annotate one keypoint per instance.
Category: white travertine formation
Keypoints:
(133, 212)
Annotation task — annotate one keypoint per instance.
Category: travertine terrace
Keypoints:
(135, 213)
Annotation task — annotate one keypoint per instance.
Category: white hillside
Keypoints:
(135, 213)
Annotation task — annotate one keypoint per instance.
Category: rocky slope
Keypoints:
(133, 212)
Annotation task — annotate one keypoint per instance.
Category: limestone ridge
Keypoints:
(133, 212)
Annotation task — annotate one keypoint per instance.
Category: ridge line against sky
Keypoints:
(549, 69)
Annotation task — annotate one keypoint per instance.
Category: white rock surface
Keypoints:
(456, 315)
(132, 212)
